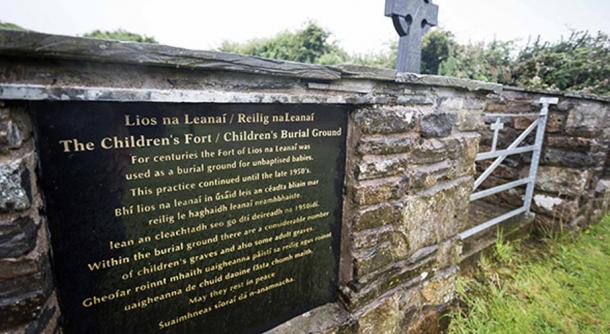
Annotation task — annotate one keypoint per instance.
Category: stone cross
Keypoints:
(412, 19)
(497, 126)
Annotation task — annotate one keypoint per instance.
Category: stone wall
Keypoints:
(572, 178)
(411, 153)
(27, 299)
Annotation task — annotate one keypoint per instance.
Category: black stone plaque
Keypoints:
(191, 218)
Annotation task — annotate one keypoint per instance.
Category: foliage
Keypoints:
(10, 26)
(563, 288)
(383, 59)
(580, 63)
(486, 62)
(120, 35)
(310, 44)
(436, 48)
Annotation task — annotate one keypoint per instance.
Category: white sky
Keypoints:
(359, 25)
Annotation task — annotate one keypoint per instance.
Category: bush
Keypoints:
(120, 35)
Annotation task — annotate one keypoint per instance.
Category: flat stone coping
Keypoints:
(30, 44)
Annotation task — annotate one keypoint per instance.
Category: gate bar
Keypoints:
(499, 189)
(495, 154)
(480, 228)
(529, 192)
(530, 181)
(500, 159)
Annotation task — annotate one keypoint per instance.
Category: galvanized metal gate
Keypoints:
(500, 155)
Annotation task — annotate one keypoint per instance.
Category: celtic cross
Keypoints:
(412, 19)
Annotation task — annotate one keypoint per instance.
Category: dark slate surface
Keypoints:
(33, 44)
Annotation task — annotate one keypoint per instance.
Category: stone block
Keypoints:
(414, 100)
(560, 157)
(15, 192)
(379, 190)
(436, 215)
(580, 144)
(367, 239)
(435, 150)
(456, 103)
(435, 125)
(554, 123)
(384, 316)
(441, 288)
(586, 119)
(386, 120)
(375, 216)
(562, 181)
(15, 129)
(448, 253)
(388, 144)
(469, 120)
(428, 176)
(375, 167)
(369, 261)
(560, 209)
(22, 298)
(603, 193)
(18, 237)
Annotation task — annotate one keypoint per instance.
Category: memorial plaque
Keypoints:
(191, 218)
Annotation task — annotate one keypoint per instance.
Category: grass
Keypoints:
(563, 287)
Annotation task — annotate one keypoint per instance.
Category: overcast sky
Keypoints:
(359, 25)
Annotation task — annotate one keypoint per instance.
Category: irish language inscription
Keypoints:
(191, 218)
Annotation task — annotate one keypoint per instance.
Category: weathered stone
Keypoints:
(390, 144)
(429, 151)
(21, 298)
(434, 150)
(469, 120)
(555, 122)
(509, 169)
(375, 216)
(369, 261)
(15, 129)
(425, 322)
(565, 105)
(384, 317)
(433, 216)
(370, 238)
(437, 124)
(440, 289)
(427, 176)
(386, 120)
(505, 137)
(14, 187)
(414, 100)
(456, 103)
(553, 156)
(466, 155)
(449, 253)
(521, 106)
(380, 190)
(373, 167)
(559, 208)
(586, 119)
(574, 143)
(469, 111)
(10, 268)
(603, 193)
(562, 181)
(43, 322)
(18, 237)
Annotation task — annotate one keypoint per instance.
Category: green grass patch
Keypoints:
(562, 287)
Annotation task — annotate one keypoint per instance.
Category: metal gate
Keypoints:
(499, 155)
